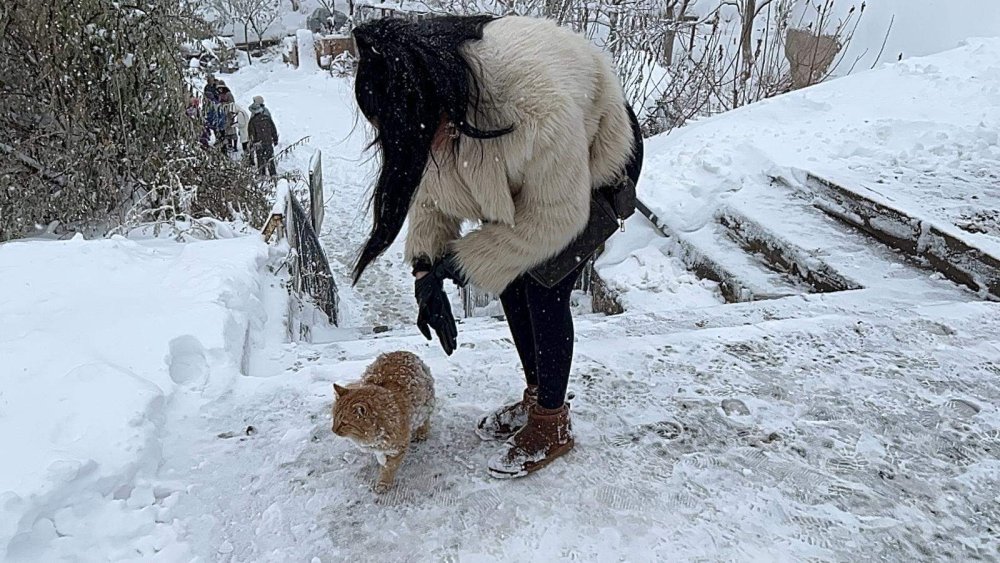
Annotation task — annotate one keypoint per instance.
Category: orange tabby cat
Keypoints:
(390, 406)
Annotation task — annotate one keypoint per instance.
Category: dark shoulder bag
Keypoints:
(610, 206)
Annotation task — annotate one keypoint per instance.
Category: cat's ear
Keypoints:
(340, 391)
(360, 410)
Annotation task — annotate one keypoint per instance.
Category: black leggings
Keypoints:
(541, 325)
(540, 320)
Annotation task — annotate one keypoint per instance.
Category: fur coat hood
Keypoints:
(530, 188)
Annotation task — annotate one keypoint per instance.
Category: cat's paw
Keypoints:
(382, 487)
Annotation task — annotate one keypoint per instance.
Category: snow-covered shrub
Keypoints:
(92, 126)
(257, 15)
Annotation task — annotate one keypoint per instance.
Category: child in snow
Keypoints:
(483, 118)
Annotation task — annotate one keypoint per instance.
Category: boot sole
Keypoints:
(556, 453)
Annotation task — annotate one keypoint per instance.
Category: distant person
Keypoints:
(228, 131)
(242, 126)
(215, 115)
(263, 136)
(193, 109)
(211, 90)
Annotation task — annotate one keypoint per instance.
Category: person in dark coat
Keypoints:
(211, 89)
(263, 136)
(212, 111)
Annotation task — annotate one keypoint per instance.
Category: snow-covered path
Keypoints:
(833, 431)
(317, 106)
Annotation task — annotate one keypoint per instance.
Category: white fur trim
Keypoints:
(533, 186)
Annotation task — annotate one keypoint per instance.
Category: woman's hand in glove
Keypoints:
(434, 311)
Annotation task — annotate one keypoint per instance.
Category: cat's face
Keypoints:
(355, 413)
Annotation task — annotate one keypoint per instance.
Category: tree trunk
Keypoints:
(614, 33)
(550, 9)
(746, 35)
(246, 41)
(669, 38)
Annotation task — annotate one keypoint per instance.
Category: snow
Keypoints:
(101, 339)
(308, 61)
(637, 264)
(925, 118)
(156, 412)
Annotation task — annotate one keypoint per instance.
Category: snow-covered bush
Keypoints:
(93, 127)
(257, 15)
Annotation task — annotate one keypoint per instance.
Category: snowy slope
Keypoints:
(933, 117)
(101, 340)
(817, 429)
(812, 427)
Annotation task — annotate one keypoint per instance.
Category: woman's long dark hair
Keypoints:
(410, 76)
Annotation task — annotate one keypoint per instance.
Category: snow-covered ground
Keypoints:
(103, 344)
(151, 410)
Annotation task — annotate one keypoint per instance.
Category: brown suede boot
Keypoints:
(508, 419)
(547, 435)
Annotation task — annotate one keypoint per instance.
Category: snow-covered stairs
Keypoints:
(784, 241)
(827, 245)
(710, 254)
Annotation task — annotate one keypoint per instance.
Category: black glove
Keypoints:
(435, 312)
(447, 268)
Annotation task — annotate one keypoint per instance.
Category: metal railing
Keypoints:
(309, 269)
(308, 265)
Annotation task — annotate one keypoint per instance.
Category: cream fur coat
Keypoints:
(531, 187)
